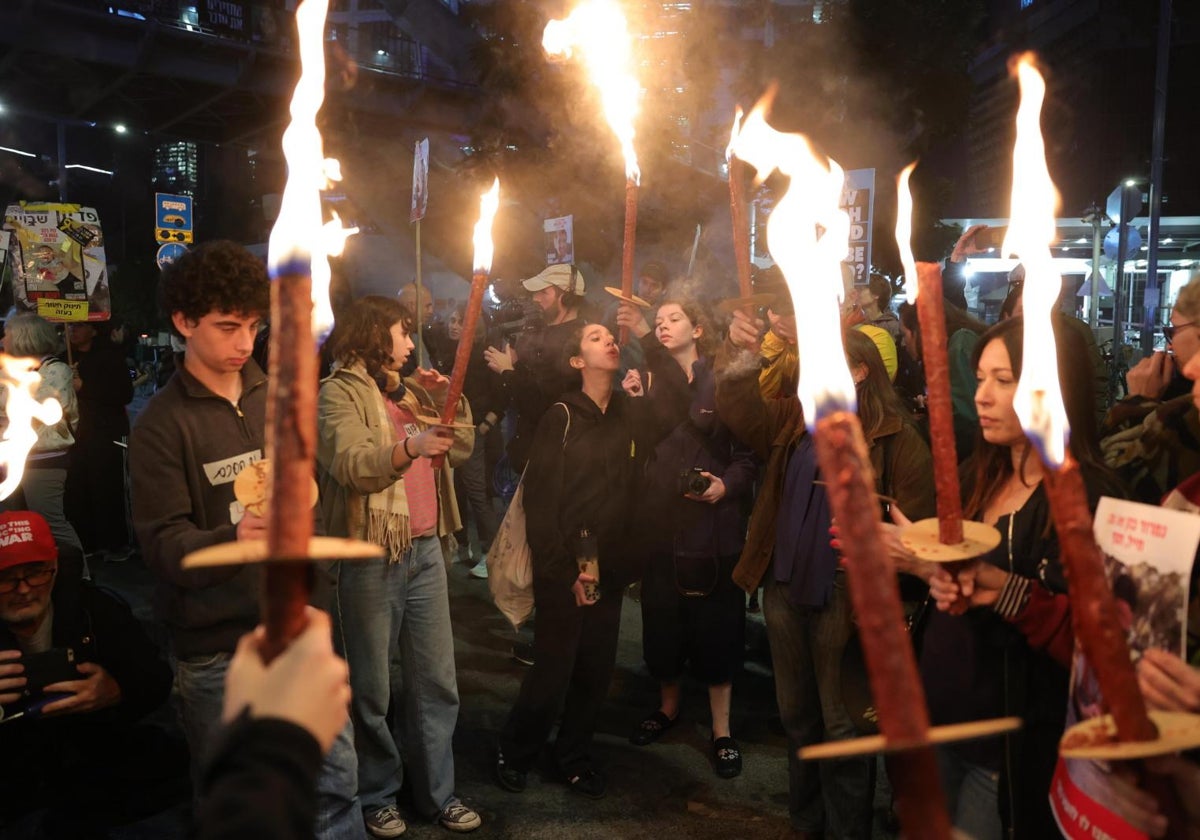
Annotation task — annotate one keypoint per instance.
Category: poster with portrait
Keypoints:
(420, 192)
(1148, 553)
(56, 254)
(559, 235)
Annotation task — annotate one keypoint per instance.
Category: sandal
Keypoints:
(652, 728)
(727, 757)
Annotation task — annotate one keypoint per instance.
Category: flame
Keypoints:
(489, 203)
(335, 236)
(733, 132)
(298, 242)
(1031, 232)
(21, 408)
(904, 214)
(597, 28)
(808, 236)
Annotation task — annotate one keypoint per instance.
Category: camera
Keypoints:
(693, 481)
(517, 316)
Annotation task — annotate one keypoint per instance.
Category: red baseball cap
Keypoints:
(25, 538)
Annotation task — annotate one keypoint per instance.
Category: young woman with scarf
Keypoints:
(392, 615)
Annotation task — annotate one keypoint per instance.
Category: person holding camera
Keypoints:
(533, 372)
(76, 672)
(691, 528)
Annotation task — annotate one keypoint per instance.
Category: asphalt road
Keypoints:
(665, 790)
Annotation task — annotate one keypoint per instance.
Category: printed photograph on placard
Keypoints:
(560, 240)
(1148, 555)
(420, 192)
(58, 263)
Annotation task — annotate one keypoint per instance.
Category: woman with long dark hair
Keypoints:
(1012, 657)
(392, 614)
(691, 527)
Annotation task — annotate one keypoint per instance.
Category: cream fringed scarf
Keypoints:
(386, 511)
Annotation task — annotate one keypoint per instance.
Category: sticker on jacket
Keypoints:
(224, 472)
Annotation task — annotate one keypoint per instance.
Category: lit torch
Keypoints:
(737, 212)
(1039, 405)
(489, 203)
(946, 538)
(298, 263)
(21, 408)
(808, 236)
(597, 29)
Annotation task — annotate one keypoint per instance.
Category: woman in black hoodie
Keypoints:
(579, 488)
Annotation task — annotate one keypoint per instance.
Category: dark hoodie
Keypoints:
(589, 480)
(186, 449)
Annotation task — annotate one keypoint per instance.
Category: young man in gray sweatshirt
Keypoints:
(195, 435)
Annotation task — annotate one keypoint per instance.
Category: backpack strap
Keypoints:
(567, 428)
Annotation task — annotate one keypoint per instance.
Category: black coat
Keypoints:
(101, 629)
(589, 480)
(666, 522)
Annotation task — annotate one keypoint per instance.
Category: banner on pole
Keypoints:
(420, 192)
(559, 235)
(56, 252)
(858, 200)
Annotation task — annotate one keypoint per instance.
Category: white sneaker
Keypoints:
(458, 817)
(385, 822)
(479, 570)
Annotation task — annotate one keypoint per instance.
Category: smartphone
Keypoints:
(52, 666)
(992, 237)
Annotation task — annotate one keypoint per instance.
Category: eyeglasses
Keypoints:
(1171, 330)
(33, 580)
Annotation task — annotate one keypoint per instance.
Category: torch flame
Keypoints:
(597, 28)
(808, 236)
(733, 132)
(489, 203)
(335, 236)
(904, 213)
(298, 243)
(21, 408)
(1031, 232)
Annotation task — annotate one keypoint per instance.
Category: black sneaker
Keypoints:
(588, 783)
(509, 778)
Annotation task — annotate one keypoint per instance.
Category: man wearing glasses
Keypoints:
(1152, 437)
(76, 672)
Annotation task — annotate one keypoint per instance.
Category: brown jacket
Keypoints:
(772, 428)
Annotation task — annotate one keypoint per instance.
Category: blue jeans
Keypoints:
(972, 796)
(393, 626)
(471, 488)
(200, 683)
(807, 644)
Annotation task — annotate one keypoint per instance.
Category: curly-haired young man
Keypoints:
(195, 435)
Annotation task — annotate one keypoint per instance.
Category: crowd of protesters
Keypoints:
(677, 465)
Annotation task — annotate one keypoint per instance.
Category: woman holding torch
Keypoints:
(1013, 657)
(805, 598)
(392, 617)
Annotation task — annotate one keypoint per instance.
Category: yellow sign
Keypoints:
(171, 235)
(56, 309)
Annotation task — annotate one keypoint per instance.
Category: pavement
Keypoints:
(667, 789)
